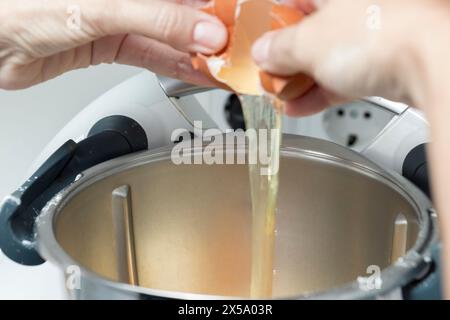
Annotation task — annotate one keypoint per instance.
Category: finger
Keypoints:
(307, 6)
(314, 101)
(286, 52)
(159, 58)
(180, 26)
(131, 50)
(191, 3)
(71, 23)
(291, 50)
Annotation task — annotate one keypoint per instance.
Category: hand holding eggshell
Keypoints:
(234, 68)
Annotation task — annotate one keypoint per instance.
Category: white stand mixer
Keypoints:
(156, 107)
(161, 105)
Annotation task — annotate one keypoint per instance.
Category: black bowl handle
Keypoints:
(430, 286)
(415, 169)
(110, 138)
(20, 209)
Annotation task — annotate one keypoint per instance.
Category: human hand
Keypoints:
(41, 39)
(353, 49)
(397, 49)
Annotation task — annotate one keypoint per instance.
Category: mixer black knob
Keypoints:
(233, 113)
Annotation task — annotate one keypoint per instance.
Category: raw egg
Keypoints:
(233, 68)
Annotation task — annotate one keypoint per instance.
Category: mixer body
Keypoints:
(140, 226)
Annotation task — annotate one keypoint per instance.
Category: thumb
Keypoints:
(291, 50)
(307, 6)
(178, 25)
(285, 52)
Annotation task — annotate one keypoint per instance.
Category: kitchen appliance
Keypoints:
(94, 205)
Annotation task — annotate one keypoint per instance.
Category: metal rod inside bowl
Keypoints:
(124, 235)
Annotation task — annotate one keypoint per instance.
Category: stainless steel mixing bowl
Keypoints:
(141, 227)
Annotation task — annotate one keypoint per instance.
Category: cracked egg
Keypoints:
(233, 68)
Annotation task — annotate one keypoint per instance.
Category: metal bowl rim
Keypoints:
(413, 264)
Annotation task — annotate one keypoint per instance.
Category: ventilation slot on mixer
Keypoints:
(399, 245)
(124, 235)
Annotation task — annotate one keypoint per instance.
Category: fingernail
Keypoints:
(209, 37)
(261, 49)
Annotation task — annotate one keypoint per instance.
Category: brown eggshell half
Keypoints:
(238, 48)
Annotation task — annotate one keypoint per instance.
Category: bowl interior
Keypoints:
(188, 228)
